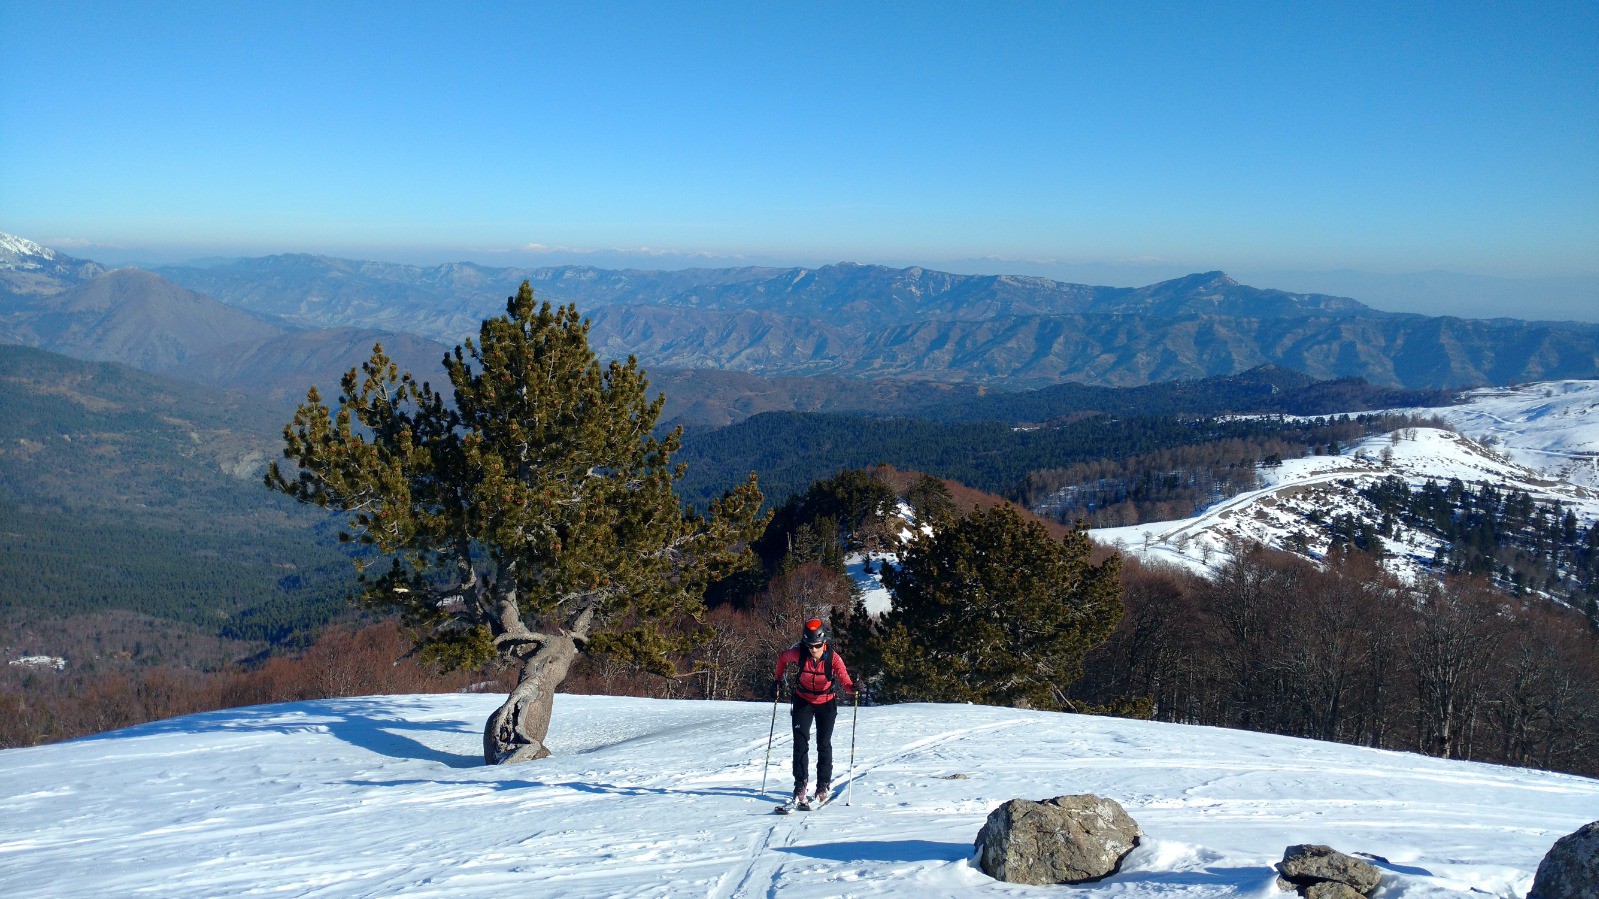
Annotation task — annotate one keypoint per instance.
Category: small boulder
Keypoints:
(1068, 839)
(1306, 866)
(1571, 869)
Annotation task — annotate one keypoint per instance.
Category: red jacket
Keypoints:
(812, 683)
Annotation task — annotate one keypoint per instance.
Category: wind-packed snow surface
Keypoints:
(386, 796)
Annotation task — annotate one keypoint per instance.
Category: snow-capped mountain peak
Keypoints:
(20, 253)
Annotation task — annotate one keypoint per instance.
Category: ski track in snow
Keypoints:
(385, 796)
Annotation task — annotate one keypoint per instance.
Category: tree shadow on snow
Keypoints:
(371, 726)
(884, 851)
(601, 789)
(377, 734)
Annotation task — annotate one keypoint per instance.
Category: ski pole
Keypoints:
(769, 734)
(854, 718)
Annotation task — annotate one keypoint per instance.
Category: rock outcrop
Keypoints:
(1321, 872)
(1068, 839)
(1571, 869)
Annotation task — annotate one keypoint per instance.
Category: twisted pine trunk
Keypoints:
(516, 731)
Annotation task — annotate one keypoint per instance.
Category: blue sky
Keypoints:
(1183, 136)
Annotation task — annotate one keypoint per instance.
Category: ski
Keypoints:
(789, 808)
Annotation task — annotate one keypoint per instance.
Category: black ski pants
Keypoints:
(824, 714)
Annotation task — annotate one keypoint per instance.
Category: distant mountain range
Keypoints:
(863, 321)
(277, 324)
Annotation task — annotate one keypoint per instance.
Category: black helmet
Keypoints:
(815, 633)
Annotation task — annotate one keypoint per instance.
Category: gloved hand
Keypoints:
(777, 688)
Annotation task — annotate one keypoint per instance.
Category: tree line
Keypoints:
(1176, 482)
(43, 705)
(791, 450)
(1345, 652)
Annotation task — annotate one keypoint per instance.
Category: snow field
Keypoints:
(384, 796)
(1273, 513)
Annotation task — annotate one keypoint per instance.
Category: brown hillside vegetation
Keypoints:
(966, 498)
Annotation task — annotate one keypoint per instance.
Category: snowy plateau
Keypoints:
(1542, 439)
(387, 796)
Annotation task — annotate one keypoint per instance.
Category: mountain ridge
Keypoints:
(869, 322)
(137, 317)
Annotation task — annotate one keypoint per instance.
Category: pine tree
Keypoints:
(531, 520)
(931, 500)
(991, 609)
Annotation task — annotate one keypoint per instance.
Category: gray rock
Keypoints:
(1307, 865)
(1571, 869)
(1068, 839)
(1331, 889)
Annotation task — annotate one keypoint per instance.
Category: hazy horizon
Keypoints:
(1107, 143)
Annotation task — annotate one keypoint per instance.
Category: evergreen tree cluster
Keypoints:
(988, 608)
(1488, 532)
(847, 512)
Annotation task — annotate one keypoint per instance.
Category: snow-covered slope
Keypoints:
(1542, 439)
(384, 796)
(21, 253)
(1279, 513)
(1552, 426)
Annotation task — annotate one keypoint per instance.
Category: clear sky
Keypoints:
(1242, 136)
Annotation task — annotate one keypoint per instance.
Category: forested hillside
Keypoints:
(1485, 531)
(790, 450)
(1263, 389)
(700, 399)
(121, 490)
(1344, 651)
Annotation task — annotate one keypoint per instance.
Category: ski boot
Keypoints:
(823, 793)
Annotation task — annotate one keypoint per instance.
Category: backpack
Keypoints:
(827, 671)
